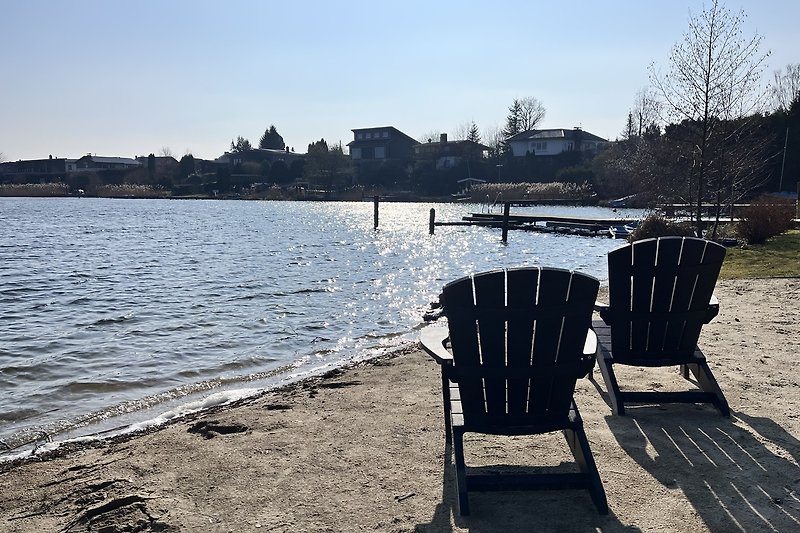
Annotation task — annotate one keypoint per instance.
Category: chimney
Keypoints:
(443, 138)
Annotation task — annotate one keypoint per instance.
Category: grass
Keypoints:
(779, 257)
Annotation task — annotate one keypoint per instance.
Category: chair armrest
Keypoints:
(602, 308)
(432, 340)
(590, 345)
(713, 309)
(589, 354)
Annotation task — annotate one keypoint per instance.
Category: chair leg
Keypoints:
(579, 445)
(708, 383)
(461, 473)
(448, 429)
(614, 395)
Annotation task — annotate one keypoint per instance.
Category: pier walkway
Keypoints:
(573, 225)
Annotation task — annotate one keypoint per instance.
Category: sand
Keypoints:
(363, 450)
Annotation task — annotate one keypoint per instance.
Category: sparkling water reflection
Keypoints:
(111, 306)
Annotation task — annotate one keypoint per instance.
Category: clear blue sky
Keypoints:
(128, 78)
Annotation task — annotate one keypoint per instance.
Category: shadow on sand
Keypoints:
(540, 511)
(739, 474)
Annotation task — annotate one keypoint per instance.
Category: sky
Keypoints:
(116, 78)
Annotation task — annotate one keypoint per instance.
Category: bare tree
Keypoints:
(431, 136)
(165, 151)
(646, 110)
(461, 132)
(713, 76)
(786, 86)
(523, 115)
(2, 157)
(493, 138)
(531, 113)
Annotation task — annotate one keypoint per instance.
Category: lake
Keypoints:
(110, 309)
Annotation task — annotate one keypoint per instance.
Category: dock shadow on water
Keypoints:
(739, 474)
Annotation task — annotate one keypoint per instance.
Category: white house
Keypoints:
(554, 142)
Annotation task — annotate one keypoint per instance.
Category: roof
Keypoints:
(112, 160)
(392, 128)
(460, 141)
(558, 133)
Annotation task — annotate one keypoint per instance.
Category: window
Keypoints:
(380, 152)
(369, 135)
(385, 134)
(355, 153)
(359, 136)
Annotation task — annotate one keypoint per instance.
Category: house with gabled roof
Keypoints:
(554, 141)
(380, 144)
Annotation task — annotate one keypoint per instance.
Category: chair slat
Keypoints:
(523, 287)
(465, 343)
(490, 291)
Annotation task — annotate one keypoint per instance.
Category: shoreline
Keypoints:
(363, 448)
(179, 408)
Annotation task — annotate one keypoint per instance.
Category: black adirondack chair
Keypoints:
(519, 339)
(660, 296)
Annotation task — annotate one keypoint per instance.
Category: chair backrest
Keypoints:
(517, 338)
(659, 291)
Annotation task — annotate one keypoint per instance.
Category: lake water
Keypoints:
(116, 307)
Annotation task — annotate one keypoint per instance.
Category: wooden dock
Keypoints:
(571, 225)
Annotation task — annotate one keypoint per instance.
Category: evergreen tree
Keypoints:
(318, 148)
(513, 119)
(241, 145)
(186, 166)
(271, 140)
(474, 135)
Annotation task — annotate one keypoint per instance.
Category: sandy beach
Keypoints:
(363, 450)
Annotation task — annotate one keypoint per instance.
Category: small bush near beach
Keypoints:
(531, 191)
(765, 217)
(659, 226)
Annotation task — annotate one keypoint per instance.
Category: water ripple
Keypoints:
(109, 306)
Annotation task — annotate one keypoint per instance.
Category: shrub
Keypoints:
(130, 190)
(531, 191)
(765, 217)
(34, 189)
(658, 226)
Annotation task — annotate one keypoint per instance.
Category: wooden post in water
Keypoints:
(506, 211)
(376, 201)
(432, 221)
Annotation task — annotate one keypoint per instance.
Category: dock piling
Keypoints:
(432, 221)
(376, 201)
(506, 211)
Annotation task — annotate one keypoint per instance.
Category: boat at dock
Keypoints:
(622, 231)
